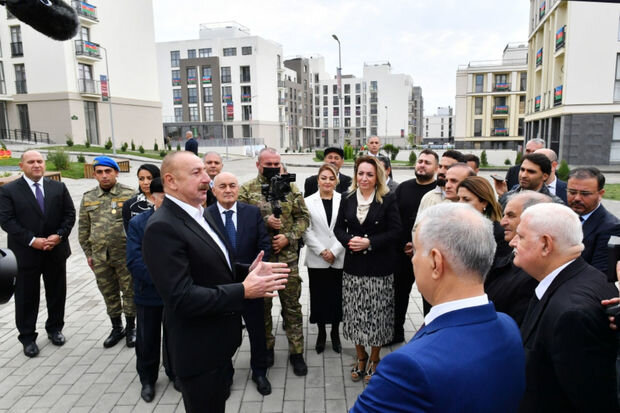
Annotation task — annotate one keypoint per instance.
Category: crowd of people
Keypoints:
(513, 275)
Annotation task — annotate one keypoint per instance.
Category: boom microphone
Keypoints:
(53, 18)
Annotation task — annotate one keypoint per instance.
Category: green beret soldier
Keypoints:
(102, 237)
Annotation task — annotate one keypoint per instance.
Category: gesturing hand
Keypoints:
(265, 279)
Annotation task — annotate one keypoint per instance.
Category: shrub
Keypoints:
(178, 146)
(519, 158)
(133, 146)
(87, 144)
(155, 147)
(81, 158)
(162, 153)
(59, 158)
(507, 162)
(141, 149)
(124, 147)
(69, 140)
(319, 154)
(169, 146)
(563, 171)
(483, 159)
(108, 144)
(412, 158)
(348, 152)
(391, 150)
(3, 145)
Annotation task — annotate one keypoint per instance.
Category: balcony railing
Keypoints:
(17, 49)
(246, 98)
(280, 83)
(557, 95)
(191, 80)
(501, 87)
(244, 78)
(20, 86)
(281, 101)
(24, 135)
(499, 132)
(88, 49)
(84, 9)
(500, 110)
(560, 38)
(89, 86)
(177, 100)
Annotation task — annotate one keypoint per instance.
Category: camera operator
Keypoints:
(286, 227)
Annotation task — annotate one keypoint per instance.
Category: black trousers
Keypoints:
(148, 343)
(253, 315)
(28, 289)
(403, 282)
(207, 393)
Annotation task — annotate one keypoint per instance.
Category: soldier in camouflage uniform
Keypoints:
(286, 232)
(102, 237)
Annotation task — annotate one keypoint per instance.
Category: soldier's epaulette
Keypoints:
(91, 203)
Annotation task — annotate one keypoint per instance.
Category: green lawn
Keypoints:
(101, 150)
(9, 162)
(612, 191)
(75, 171)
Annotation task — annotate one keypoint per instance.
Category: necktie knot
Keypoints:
(229, 213)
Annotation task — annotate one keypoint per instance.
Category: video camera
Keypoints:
(276, 191)
(8, 272)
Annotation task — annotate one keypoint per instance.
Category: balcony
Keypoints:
(20, 87)
(17, 49)
(281, 83)
(501, 87)
(85, 11)
(87, 50)
(177, 100)
(539, 57)
(557, 95)
(500, 110)
(499, 132)
(89, 87)
(560, 38)
(281, 101)
(246, 98)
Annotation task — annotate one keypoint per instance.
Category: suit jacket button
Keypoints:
(376, 222)
(365, 252)
(366, 235)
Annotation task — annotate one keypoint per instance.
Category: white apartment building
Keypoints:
(490, 101)
(51, 90)
(226, 77)
(438, 127)
(573, 93)
(379, 103)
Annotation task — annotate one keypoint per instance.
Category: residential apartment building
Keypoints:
(227, 84)
(299, 103)
(379, 103)
(53, 90)
(573, 93)
(490, 101)
(416, 114)
(438, 127)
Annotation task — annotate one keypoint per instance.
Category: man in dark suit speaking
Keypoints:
(570, 350)
(466, 357)
(38, 214)
(195, 277)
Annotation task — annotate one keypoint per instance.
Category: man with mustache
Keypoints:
(584, 192)
(438, 194)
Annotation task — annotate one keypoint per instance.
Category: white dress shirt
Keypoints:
(198, 215)
(443, 308)
(223, 216)
(552, 185)
(31, 183)
(544, 284)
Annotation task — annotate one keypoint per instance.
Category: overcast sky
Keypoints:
(426, 39)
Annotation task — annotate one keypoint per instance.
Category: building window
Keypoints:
(347, 100)
(336, 112)
(358, 100)
(478, 106)
(246, 50)
(373, 109)
(325, 90)
(358, 88)
(246, 112)
(226, 94)
(176, 78)
(335, 89)
(347, 88)
(206, 52)
(325, 101)
(191, 53)
(176, 96)
(2, 80)
(192, 95)
(335, 100)
(245, 74)
(523, 81)
(85, 79)
(246, 94)
(614, 155)
(178, 114)
(325, 123)
(520, 130)
(325, 111)
(207, 94)
(225, 77)
(522, 104)
(347, 122)
(16, 42)
(617, 85)
(373, 85)
(336, 122)
(206, 75)
(479, 83)
(316, 88)
(230, 51)
(193, 114)
(208, 113)
(192, 74)
(175, 57)
(228, 114)
(347, 111)
(358, 122)
(20, 79)
(477, 127)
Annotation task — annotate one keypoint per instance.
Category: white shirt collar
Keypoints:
(192, 211)
(586, 216)
(222, 209)
(447, 307)
(551, 186)
(544, 284)
(31, 183)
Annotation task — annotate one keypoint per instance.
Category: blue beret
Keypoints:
(105, 161)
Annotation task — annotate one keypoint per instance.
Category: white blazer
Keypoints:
(319, 235)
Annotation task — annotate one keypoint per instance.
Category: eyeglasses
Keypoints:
(584, 194)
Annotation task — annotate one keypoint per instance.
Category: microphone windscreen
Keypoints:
(53, 18)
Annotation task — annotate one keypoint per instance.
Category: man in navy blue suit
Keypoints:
(246, 235)
(555, 185)
(466, 357)
(586, 187)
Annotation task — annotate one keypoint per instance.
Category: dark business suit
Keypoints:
(596, 232)
(560, 190)
(570, 351)
(252, 237)
(311, 184)
(512, 176)
(191, 145)
(469, 360)
(202, 303)
(22, 219)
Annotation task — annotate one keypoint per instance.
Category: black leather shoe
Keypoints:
(31, 349)
(262, 384)
(336, 346)
(269, 358)
(148, 392)
(299, 365)
(57, 338)
(177, 385)
(130, 337)
(115, 336)
(320, 342)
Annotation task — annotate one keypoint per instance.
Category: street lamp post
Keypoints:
(339, 79)
(107, 74)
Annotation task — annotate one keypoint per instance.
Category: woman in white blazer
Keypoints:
(325, 258)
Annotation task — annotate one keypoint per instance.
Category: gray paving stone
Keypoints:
(335, 406)
(295, 389)
(315, 399)
(291, 406)
(274, 401)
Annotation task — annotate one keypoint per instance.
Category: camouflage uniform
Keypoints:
(102, 238)
(295, 219)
